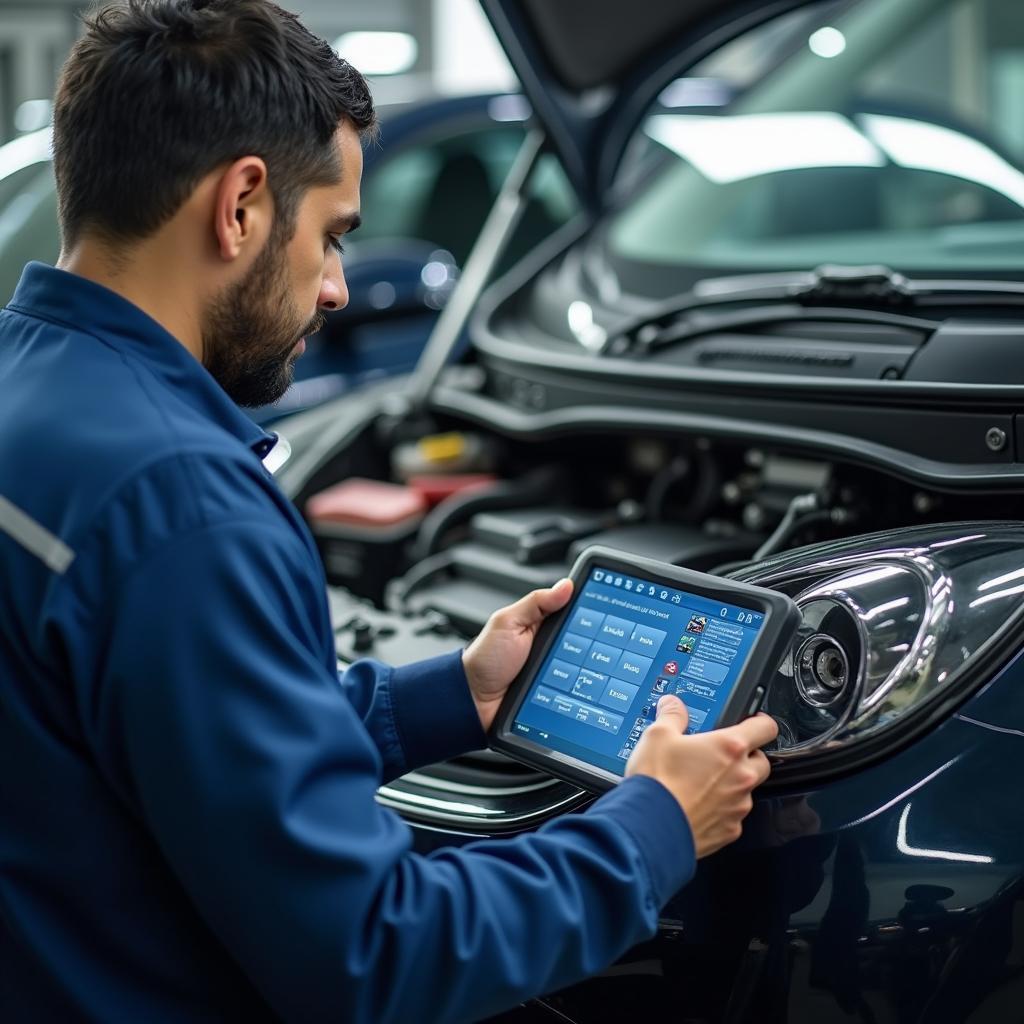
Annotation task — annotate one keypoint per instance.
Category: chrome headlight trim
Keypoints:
(938, 610)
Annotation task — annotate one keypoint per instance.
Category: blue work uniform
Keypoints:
(188, 829)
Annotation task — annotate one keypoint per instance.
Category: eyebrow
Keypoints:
(346, 223)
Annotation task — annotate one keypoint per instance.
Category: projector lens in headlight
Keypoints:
(822, 670)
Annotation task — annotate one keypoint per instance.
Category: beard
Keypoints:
(251, 329)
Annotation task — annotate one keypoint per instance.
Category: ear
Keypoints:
(242, 208)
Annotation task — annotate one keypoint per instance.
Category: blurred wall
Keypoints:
(35, 36)
(456, 50)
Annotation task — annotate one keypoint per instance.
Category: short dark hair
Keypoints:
(158, 93)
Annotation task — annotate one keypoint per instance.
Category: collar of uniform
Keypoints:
(84, 306)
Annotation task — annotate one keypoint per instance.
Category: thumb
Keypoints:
(555, 597)
(672, 709)
(531, 609)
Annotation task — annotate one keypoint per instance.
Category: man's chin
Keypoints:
(251, 395)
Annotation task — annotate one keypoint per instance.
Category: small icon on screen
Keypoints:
(697, 624)
(676, 598)
(618, 581)
(598, 575)
(629, 584)
(652, 591)
(671, 668)
(724, 612)
(750, 618)
(664, 595)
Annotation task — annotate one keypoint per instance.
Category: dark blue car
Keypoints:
(781, 341)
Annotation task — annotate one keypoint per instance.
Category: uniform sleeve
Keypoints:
(256, 777)
(417, 714)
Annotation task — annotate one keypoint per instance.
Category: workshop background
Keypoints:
(408, 47)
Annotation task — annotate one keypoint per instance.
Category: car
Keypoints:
(429, 183)
(779, 341)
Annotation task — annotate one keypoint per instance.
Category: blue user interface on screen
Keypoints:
(627, 641)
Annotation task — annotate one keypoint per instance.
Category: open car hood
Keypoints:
(590, 68)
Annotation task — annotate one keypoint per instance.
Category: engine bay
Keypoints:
(425, 529)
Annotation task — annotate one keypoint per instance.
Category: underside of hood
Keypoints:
(590, 68)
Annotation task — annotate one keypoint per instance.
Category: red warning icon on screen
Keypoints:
(671, 668)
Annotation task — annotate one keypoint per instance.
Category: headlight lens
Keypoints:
(892, 624)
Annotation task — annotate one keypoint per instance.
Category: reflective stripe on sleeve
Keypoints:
(35, 539)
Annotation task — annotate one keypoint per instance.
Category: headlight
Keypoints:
(896, 626)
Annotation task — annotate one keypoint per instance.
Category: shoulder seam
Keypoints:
(129, 364)
(132, 367)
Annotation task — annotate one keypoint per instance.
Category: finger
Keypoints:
(672, 709)
(757, 731)
(761, 766)
(531, 609)
(555, 597)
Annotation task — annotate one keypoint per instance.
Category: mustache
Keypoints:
(314, 326)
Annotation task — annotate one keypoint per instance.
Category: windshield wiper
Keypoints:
(867, 294)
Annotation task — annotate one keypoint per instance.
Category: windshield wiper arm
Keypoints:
(874, 285)
(863, 294)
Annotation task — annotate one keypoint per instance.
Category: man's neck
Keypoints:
(144, 279)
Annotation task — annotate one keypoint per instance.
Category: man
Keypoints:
(189, 830)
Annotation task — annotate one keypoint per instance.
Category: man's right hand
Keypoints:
(711, 774)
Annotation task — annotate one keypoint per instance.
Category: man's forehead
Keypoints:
(349, 153)
(337, 204)
(348, 148)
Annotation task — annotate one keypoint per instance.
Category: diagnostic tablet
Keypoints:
(634, 630)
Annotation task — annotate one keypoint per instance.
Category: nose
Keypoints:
(333, 288)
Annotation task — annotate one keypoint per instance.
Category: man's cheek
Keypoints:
(311, 282)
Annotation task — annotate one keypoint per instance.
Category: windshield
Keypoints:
(875, 131)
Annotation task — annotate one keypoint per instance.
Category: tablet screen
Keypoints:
(625, 642)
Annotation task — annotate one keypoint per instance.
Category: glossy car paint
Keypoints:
(871, 898)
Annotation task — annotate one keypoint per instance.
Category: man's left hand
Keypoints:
(495, 657)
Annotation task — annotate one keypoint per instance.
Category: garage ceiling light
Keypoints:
(378, 53)
(827, 42)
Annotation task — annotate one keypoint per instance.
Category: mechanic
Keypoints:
(189, 830)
